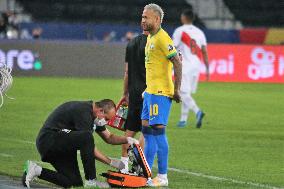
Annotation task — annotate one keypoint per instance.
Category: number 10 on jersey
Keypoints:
(154, 109)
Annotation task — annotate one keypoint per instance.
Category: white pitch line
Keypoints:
(223, 179)
(18, 140)
(6, 155)
(183, 171)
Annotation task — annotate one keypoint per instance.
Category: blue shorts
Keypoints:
(156, 109)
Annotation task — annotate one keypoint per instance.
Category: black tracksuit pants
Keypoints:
(63, 157)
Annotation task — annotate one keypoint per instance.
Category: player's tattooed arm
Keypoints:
(178, 74)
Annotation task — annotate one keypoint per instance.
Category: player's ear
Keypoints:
(101, 111)
(157, 19)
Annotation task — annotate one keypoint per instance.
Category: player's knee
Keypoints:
(147, 130)
(159, 130)
(145, 123)
(161, 140)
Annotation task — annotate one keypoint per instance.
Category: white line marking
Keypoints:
(6, 155)
(18, 140)
(181, 171)
(223, 179)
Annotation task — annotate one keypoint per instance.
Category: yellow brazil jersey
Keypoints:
(159, 49)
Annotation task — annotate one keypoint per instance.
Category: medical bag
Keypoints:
(139, 171)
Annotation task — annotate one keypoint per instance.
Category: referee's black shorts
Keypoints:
(133, 122)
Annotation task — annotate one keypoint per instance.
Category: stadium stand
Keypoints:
(261, 13)
(223, 21)
(114, 11)
(215, 14)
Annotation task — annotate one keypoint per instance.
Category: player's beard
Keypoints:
(147, 27)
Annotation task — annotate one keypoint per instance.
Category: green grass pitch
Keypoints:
(241, 144)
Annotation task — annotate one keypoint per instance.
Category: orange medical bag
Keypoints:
(138, 174)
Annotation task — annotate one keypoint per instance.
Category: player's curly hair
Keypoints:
(156, 8)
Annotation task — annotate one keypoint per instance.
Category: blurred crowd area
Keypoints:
(223, 21)
(10, 27)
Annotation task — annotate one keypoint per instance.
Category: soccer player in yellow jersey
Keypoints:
(160, 57)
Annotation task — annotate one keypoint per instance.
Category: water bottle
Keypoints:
(125, 111)
(120, 111)
(116, 121)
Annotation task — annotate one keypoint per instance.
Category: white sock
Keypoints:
(163, 176)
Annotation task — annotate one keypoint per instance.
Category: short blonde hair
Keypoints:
(156, 8)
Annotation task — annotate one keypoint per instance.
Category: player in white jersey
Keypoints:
(191, 42)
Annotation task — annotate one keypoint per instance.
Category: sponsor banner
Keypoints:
(24, 59)
(63, 58)
(228, 63)
(245, 63)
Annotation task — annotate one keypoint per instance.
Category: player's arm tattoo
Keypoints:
(177, 71)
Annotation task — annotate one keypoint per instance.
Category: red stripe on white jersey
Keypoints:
(191, 44)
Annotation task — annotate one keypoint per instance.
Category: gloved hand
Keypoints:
(131, 140)
(118, 164)
(96, 184)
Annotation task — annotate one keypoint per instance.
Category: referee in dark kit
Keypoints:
(67, 129)
(134, 86)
